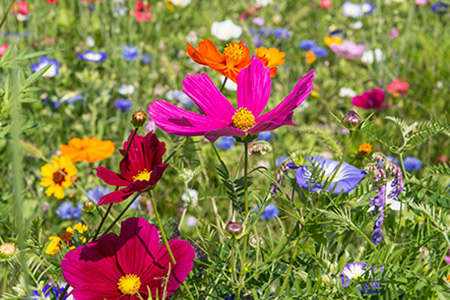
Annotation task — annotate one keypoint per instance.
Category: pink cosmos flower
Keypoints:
(398, 87)
(21, 8)
(325, 4)
(371, 100)
(126, 266)
(3, 49)
(142, 12)
(348, 49)
(422, 2)
(220, 117)
(394, 33)
(140, 170)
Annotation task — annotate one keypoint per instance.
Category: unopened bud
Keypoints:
(138, 119)
(89, 206)
(234, 228)
(7, 249)
(351, 120)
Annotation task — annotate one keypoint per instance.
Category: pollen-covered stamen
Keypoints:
(142, 175)
(243, 119)
(58, 177)
(129, 284)
(234, 51)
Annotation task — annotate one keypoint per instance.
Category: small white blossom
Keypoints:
(193, 196)
(181, 3)
(347, 92)
(226, 30)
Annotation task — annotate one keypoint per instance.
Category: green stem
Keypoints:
(223, 84)
(6, 13)
(5, 278)
(233, 262)
(121, 214)
(347, 148)
(108, 210)
(290, 269)
(175, 151)
(166, 242)
(64, 292)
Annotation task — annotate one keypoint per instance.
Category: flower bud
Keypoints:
(89, 206)
(8, 249)
(234, 228)
(351, 120)
(138, 119)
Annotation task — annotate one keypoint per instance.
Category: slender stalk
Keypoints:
(347, 148)
(166, 242)
(233, 262)
(6, 13)
(64, 292)
(121, 214)
(108, 210)
(175, 150)
(5, 278)
(289, 270)
(223, 84)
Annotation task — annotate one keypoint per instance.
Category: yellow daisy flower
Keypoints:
(332, 40)
(364, 149)
(57, 176)
(57, 243)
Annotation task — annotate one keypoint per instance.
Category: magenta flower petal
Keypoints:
(175, 120)
(360, 101)
(291, 102)
(213, 135)
(110, 177)
(116, 197)
(254, 86)
(209, 99)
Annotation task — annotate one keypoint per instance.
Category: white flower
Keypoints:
(229, 85)
(369, 56)
(190, 221)
(226, 30)
(90, 41)
(193, 196)
(356, 25)
(126, 89)
(352, 10)
(263, 2)
(181, 3)
(21, 17)
(347, 92)
(304, 106)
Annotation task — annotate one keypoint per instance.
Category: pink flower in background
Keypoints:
(348, 49)
(398, 87)
(422, 2)
(21, 10)
(394, 33)
(3, 49)
(220, 117)
(129, 266)
(142, 12)
(325, 3)
(371, 100)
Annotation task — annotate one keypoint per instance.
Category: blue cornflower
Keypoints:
(358, 271)
(307, 44)
(48, 291)
(319, 51)
(43, 62)
(266, 31)
(344, 181)
(67, 211)
(439, 8)
(393, 159)
(123, 104)
(412, 164)
(265, 136)
(95, 194)
(283, 33)
(94, 57)
(368, 7)
(352, 10)
(146, 59)
(130, 53)
(225, 142)
(181, 97)
(269, 212)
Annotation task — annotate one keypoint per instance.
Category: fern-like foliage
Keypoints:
(324, 137)
(441, 169)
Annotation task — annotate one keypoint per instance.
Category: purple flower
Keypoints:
(94, 57)
(265, 136)
(358, 272)
(225, 142)
(67, 211)
(368, 7)
(439, 8)
(266, 31)
(282, 33)
(43, 62)
(412, 164)
(348, 49)
(319, 51)
(123, 104)
(48, 291)
(307, 44)
(258, 21)
(269, 212)
(371, 100)
(130, 53)
(394, 33)
(146, 59)
(344, 180)
(95, 194)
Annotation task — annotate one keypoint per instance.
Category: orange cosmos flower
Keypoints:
(271, 58)
(88, 149)
(235, 57)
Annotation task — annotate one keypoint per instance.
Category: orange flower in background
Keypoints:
(88, 149)
(235, 57)
(271, 58)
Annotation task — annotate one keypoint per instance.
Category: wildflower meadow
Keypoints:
(206, 149)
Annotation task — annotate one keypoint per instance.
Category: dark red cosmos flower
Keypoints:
(142, 11)
(140, 169)
(126, 266)
(371, 100)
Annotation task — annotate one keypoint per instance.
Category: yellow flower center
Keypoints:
(234, 51)
(129, 284)
(58, 178)
(142, 175)
(243, 119)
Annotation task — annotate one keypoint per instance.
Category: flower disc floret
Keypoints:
(129, 284)
(142, 175)
(234, 51)
(243, 119)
